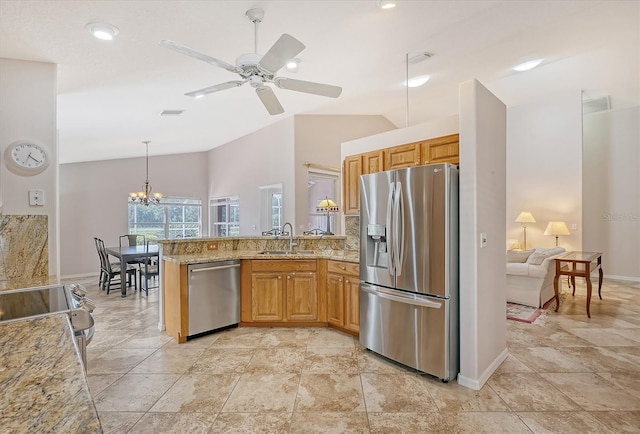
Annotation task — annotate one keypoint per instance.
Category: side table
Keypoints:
(579, 264)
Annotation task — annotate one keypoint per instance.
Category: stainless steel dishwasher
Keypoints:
(214, 296)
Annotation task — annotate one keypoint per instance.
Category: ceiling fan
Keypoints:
(258, 70)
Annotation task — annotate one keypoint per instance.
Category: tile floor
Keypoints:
(565, 373)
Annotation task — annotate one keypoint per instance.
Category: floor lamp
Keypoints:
(524, 218)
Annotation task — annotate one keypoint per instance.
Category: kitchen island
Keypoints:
(302, 287)
(44, 387)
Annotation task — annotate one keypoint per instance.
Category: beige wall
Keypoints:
(544, 169)
(28, 112)
(264, 157)
(318, 139)
(93, 200)
(611, 184)
(483, 138)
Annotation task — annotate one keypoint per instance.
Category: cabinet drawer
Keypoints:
(340, 267)
(283, 265)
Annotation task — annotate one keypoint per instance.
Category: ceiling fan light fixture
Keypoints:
(417, 81)
(102, 31)
(292, 65)
(526, 66)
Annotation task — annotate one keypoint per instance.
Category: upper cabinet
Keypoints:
(372, 162)
(400, 157)
(352, 169)
(439, 150)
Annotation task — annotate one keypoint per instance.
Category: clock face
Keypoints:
(26, 158)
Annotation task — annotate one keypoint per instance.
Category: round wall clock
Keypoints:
(26, 158)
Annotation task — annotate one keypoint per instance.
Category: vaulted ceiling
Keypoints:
(110, 94)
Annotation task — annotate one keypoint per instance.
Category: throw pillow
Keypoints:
(518, 255)
(537, 258)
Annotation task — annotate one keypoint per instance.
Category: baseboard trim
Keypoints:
(476, 384)
(79, 276)
(625, 278)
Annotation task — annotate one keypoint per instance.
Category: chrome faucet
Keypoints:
(291, 243)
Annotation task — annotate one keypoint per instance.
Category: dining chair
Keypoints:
(102, 272)
(148, 269)
(111, 271)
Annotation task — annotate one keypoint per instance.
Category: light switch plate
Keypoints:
(483, 240)
(36, 197)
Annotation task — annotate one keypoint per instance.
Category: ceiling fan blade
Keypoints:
(269, 100)
(285, 49)
(308, 87)
(172, 45)
(216, 88)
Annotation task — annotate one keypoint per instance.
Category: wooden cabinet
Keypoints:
(351, 184)
(402, 156)
(281, 291)
(343, 296)
(441, 150)
(372, 162)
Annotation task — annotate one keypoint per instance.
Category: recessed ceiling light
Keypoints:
(418, 81)
(527, 65)
(103, 31)
(386, 4)
(420, 57)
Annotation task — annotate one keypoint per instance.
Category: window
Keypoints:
(224, 216)
(321, 185)
(276, 210)
(174, 217)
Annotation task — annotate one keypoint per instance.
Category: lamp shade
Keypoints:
(525, 217)
(327, 205)
(557, 228)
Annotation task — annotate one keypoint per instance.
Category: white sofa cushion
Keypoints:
(518, 255)
(518, 269)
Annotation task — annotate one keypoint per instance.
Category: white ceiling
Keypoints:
(110, 94)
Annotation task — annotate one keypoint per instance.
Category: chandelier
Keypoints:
(145, 197)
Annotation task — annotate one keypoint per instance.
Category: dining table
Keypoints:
(127, 253)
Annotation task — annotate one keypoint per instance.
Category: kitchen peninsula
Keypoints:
(315, 284)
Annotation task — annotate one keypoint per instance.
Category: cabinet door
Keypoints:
(335, 299)
(351, 184)
(302, 297)
(352, 300)
(267, 291)
(372, 162)
(402, 156)
(444, 149)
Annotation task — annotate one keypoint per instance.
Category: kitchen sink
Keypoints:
(287, 252)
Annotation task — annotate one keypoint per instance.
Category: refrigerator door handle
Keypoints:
(399, 228)
(389, 231)
(412, 300)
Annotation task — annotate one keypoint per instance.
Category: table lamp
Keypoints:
(524, 218)
(328, 206)
(557, 228)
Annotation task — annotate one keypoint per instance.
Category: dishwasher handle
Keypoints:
(222, 267)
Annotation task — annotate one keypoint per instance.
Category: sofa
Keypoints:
(530, 275)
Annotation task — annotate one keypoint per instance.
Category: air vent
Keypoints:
(592, 105)
(171, 112)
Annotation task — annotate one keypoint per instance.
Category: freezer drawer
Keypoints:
(415, 330)
(214, 296)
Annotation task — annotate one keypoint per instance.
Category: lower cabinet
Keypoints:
(301, 292)
(281, 291)
(343, 296)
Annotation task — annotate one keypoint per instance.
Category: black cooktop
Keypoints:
(23, 303)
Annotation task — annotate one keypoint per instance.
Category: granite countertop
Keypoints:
(44, 387)
(213, 256)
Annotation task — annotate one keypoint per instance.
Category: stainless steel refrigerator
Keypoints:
(409, 267)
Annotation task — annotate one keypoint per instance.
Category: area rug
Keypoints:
(528, 314)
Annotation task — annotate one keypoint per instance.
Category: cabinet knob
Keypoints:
(347, 280)
(288, 277)
(339, 280)
(279, 277)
